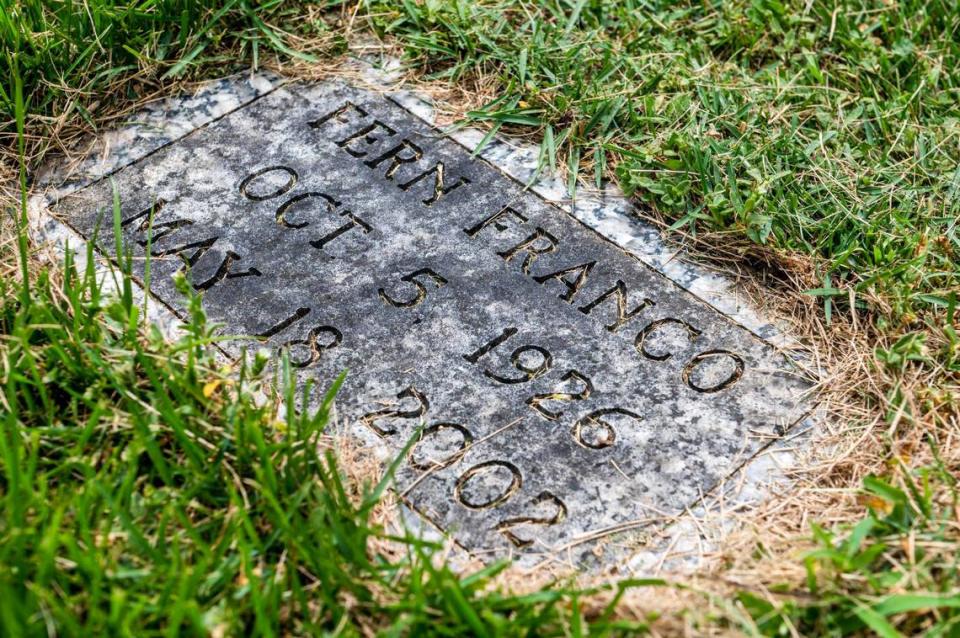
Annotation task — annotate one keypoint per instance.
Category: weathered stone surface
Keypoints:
(565, 388)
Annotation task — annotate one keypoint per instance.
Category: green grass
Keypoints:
(75, 58)
(865, 579)
(144, 491)
(827, 129)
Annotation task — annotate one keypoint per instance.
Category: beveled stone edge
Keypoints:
(678, 545)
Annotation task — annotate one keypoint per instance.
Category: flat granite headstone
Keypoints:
(564, 389)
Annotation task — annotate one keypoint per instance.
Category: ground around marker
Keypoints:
(805, 147)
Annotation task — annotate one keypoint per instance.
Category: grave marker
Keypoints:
(564, 387)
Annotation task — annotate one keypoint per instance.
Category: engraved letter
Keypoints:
(256, 196)
(640, 342)
(314, 346)
(486, 493)
(367, 133)
(704, 357)
(344, 115)
(287, 205)
(529, 371)
(333, 234)
(398, 159)
(437, 435)
(199, 249)
(158, 230)
(498, 220)
(529, 247)
(438, 180)
(475, 356)
(592, 431)
(297, 315)
(573, 287)
(223, 272)
(620, 292)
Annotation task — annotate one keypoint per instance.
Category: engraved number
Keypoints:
(332, 339)
(521, 359)
(432, 451)
(488, 484)
(422, 405)
(318, 339)
(494, 343)
(492, 483)
(543, 501)
(537, 400)
(530, 371)
(421, 293)
(594, 432)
